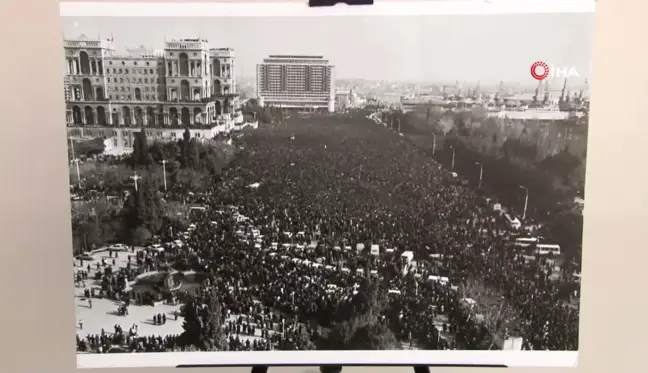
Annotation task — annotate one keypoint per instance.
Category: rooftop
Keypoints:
(295, 56)
(533, 114)
(142, 51)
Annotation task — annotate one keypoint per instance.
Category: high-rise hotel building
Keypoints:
(296, 82)
(113, 95)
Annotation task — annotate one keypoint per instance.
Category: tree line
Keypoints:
(189, 164)
(551, 168)
(86, 148)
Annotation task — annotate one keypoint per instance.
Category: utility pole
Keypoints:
(76, 162)
(433, 144)
(135, 178)
(72, 147)
(453, 158)
(164, 162)
(526, 201)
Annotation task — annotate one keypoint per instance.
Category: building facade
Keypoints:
(342, 100)
(185, 85)
(296, 82)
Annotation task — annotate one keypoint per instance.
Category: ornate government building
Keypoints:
(113, 95)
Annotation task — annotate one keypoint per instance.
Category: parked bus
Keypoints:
(546, 249)
(525, 241)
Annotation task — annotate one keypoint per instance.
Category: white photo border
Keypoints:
(296, 9)
(552, 359)
(548, 359)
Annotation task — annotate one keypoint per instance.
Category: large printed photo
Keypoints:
(327, 183)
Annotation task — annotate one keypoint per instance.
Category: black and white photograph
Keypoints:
(405, 188)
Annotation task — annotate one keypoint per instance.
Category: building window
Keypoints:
(151, 71)
(160, 134)
(125, 71)
(110, 62)
(135, 63)
(147, 63)
(123, 63)
(173, 134)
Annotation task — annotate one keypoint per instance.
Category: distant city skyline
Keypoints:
(467, 48)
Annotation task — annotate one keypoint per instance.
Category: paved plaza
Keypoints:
(103, 314)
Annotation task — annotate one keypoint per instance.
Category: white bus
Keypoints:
(546, 249)
(525, 241)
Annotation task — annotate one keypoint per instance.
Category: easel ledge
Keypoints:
(338, 368)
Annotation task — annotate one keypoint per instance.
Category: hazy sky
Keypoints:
(488, 48)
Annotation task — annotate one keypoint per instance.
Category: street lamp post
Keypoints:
(526, 201)
(433, 144)
(453, 158)
(164, 162)
(481, 173)
(72, 147)
(135, 178)
(76, 163)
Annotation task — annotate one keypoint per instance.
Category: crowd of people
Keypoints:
(285, 240)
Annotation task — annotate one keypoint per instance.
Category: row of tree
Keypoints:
(511, 156)
(184, 165)
(102, 222)
(358, 326)
(208, 156)
(86, 148)
(203, 329)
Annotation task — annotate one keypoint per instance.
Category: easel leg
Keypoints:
(260, 369)
(331, 368)
(337, 369)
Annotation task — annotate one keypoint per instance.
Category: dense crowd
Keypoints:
(285, 240)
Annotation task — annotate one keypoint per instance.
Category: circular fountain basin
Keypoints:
(160, 282)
